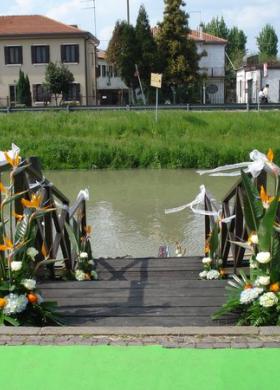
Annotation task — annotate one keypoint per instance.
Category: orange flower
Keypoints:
(2, 188)
(274, 287)
(207, 248)
(44, 250)
(18, 217)
(34, 203)
(270, 155)
(247, 286)
(88, 230)
(7, 246)
(3, 303)
(222, 273)
(265, 198)
(14, 162)
(32, 298)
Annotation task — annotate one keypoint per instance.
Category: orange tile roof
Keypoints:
(199, 36)
(33, 25)
(202, 36)
(101, 54)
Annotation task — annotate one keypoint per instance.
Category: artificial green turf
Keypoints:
(137, 368)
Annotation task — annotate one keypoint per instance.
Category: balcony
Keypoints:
(216, 71)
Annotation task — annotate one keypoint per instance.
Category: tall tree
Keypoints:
(236, 47)
(123, 52)
(267, 43)
(179, 57)
(217, 27)
(57, 80)
(23, 93)
(147, 55)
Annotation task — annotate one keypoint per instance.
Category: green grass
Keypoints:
(137, 368)
(133, 139)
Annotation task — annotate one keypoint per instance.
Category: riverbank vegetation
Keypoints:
(114, 139)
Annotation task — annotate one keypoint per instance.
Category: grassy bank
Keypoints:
(133, 139)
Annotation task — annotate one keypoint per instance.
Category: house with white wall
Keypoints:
(30, 42)
(251, 78)
(212, 65)
(111, 89)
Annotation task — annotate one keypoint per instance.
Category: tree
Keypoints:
(267, 42)
(23, 94)
(178, 53)
(147, 54)
(57, 80)
(123, 52)
(217, 27)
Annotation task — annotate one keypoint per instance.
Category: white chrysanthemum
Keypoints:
(268, 299)
(91, 262)
(15, 303)
(263, 257)
(29, 284)
(250, 294)
(32, 252)
(253, 264)
(203, 274)
(254, 239)
(83, 255)
(206, 260)
(80, 275)
(213, 274)
(262, 281)
(16, 265)
(220, 262)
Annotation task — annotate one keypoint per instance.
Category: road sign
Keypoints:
(156, 80)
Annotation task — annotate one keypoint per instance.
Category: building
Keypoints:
(111, 90)
(30, 42)
(212, 65)
(251, 78)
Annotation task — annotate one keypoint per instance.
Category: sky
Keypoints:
(249, 15)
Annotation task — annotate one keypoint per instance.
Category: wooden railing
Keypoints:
(52, 231)
(235, 230)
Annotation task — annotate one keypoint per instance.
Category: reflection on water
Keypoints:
(126, 208)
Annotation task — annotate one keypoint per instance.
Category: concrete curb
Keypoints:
(141, 331)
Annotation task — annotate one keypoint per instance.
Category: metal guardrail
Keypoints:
(183, 107)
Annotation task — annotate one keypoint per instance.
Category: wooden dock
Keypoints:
(141, 292)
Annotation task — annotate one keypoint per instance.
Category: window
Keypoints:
(40, 54)
(104, 71)
(98, 72)
(40, 94)
(240, 88)
(110, 74)
(70, 53)
(13, 55)
(116, 74)
(73, 93)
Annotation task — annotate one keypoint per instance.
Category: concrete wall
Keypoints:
(36, 72)
(107, 82)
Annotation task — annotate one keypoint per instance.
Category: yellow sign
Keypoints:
(156, 80)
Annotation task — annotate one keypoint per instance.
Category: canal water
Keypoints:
(126, 208)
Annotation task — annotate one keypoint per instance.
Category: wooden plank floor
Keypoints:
(141, 292)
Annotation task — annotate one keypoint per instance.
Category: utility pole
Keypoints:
(128, 12)
(92, 6)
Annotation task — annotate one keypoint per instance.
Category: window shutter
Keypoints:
(77, 54)
(7, 59)
(33, 54)
(34, 90)
(48, 54)
(62, 49)
(78, 91)
(20, 55)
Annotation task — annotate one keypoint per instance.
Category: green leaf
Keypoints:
(11, 320)
(214, 241)
(21, 229)
(72, 238)
(13, 197)
(265, 231)
(275, 261)
(253, 208)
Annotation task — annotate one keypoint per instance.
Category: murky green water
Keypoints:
(126, 208)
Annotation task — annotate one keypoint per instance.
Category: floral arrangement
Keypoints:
(256, 297)
(20, 301)
(85, 268)
(212, 263)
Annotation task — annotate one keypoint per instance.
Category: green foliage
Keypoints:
(217, 27)
(57, 80)
(114, 139)
(267, 42)
(178, 53)
(23, 93)
(123, 52)
(147, 56)
(265, 231)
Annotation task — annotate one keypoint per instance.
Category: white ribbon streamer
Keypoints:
(254, 167)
